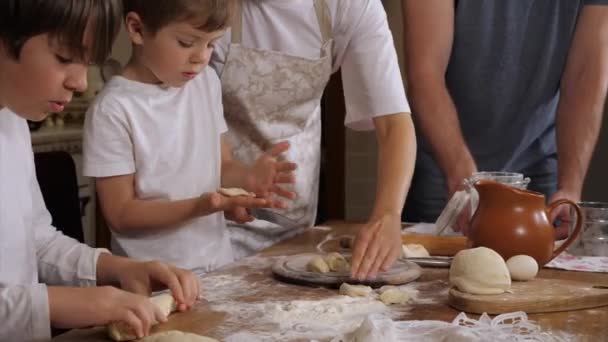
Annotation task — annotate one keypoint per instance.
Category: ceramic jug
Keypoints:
(514, 221)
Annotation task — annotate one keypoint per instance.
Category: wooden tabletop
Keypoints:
(257, 286)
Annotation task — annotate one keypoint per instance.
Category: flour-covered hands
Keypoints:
(377, 246)
(270, 173)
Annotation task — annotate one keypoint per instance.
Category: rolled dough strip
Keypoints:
(175, 336)
(121, 331)
(235, 192)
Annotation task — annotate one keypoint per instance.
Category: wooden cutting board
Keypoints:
(535, 296)
(292, 269)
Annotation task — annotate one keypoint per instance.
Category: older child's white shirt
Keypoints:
(363, 49)
(32, 252)
(170, 139)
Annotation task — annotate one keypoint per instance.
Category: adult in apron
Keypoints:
(270, 97)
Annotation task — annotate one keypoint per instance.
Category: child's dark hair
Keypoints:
(64, 20)
(206, 15)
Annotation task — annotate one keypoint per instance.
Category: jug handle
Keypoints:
(577, 229)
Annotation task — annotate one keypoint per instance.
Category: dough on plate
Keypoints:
(337, 262)
(414, 250)
(480, 271)
(121, 331)
(177, 336)
(522, 267)
(235, 192)
(393, 295)
(355, 290)
(317, 264)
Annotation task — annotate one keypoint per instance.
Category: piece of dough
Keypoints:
(414, 250)
(177, 336)
(480, 271)
(355, 290)
(522, 267)
(121, 331)
(393, 295)
(317, 264)
(235, 192)
(337, 262)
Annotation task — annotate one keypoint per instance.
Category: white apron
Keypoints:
(270, 97)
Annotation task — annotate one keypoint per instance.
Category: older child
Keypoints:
(45, 49)
(153, 140)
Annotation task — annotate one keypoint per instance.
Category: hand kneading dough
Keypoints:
(522, 267)
(337, 263)
(121, 331)
(235, 192)
(355, 290)
(317, 264)
(480, 271)
(177, 336)
(414, 250)
(393, 295)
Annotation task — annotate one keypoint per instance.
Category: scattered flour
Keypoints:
(251, 317)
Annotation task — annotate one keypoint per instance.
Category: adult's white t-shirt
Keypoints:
(363, 49)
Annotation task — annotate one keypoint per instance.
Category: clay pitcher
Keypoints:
(513, 221)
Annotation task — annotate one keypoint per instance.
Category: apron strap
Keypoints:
(324, 18)
(237, 23)
(321, 9)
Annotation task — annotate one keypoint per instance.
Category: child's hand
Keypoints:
(214, 202)
(97, 306)
(145, 277)
(239, 215)
(268, 172)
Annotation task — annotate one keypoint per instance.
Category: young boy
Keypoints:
(153, 140)
(45, 49)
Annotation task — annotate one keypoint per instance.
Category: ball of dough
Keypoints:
(414, 250)
(393, 295)
(522, 267)
(317, 264)
(235, 192)
(121, 331)
(480, 271)
(355, 290)
(175, 336)
(337, 262)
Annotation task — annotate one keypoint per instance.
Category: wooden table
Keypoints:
(259, 286)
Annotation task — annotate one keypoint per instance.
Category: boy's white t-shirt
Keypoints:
(363, 49)
(32, 251)
(169, 138)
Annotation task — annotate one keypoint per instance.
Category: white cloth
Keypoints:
(170, 139)
(362, 47)
(32, 252)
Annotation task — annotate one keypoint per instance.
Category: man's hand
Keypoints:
(561, 217)
(376, 246)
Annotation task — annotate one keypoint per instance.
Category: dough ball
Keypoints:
(355, 290)
(337, 262)
(177, 336)
(414, 250)
(393, 295)
(317, 264)
(480, 271)
(235, 192)
(121, 331)
(522, 267)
